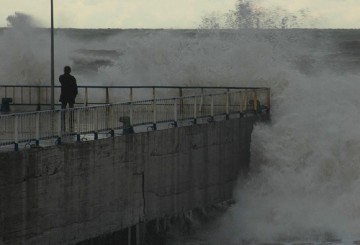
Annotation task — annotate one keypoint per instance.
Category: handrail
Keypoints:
(55, 124)
(137, 86)
(39, 95)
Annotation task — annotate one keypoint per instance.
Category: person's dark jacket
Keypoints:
(69, 88)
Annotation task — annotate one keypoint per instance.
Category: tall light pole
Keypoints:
(52, 57)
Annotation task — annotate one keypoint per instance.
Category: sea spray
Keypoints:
(304, 181)
(305, 175)
(305, 165)
(135, 57)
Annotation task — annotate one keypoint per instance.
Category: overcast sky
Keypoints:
(168, 13)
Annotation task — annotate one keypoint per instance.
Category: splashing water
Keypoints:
(305, 179)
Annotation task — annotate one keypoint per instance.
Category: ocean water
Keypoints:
(304, 183)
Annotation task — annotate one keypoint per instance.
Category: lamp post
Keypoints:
(52, 57)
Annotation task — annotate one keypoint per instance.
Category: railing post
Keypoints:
(107, 95)
(37, 141)
(22, 95)
(131, 114)
(14, 95)
(16, 133)
(30, 95)
(227, 105)
(181, 102)
(255, 101)
(131, 94)
(241, 100)
(212, 108)
(268, 100)
(46, 96)
(38, 99)
(175, 113)
(154, 114)
(96, 124)
(60, 125)
(201, 100)
(110, 120)
(195, 109)
(154, 108)
(86, 97)
(78, 125)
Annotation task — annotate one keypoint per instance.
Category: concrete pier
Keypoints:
(80, 193)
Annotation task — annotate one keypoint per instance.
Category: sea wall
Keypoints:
(69, 193)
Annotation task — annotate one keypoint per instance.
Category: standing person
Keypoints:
(69, 88)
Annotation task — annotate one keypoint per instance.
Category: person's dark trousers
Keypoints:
(63, 105)
(71, 116)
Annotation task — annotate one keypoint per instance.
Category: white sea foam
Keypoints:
(305, 178)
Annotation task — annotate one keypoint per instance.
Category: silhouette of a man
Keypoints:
(69, 88)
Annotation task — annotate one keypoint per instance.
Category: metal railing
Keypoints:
(56, 124)
(40, 95)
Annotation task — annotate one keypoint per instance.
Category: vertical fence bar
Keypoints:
(96, 124)
(244, 101)
(46, 96)
(38, 99)
(86, 97)
(14, 98)
(131, 114)
(22, 95)
(154, 108)
(181, 101)
(201, 100)
(16, 133)
(107, 95)
(61, 124)
(154, 114)
(195, 114)
(30, 95)
(241, 99)
(212, 108)
(37, 140)
(78, 129)
(227, 104)
(175, 113)
(255, 101)
(111, 120)
(131, 94)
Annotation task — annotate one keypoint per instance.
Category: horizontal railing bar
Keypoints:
(133, 86)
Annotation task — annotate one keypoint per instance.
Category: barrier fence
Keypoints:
(39, 95)
(56, 124)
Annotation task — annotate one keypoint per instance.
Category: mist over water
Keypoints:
(304, 183)
(135, 57)
(305, 177)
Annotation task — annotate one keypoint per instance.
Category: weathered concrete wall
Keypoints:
(69, 193)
